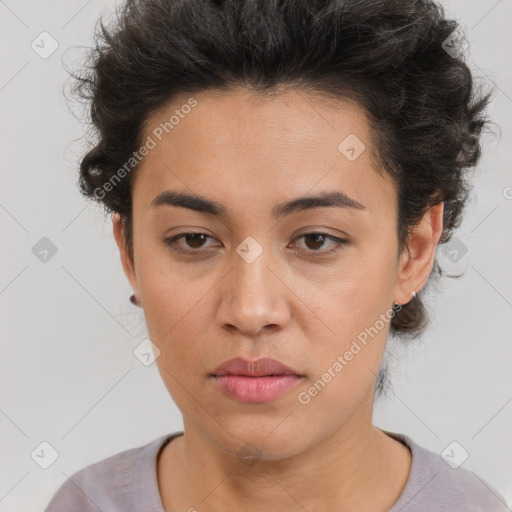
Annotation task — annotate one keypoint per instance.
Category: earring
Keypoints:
(413, 293)
(133, 299)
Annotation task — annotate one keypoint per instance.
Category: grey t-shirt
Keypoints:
(127, 482)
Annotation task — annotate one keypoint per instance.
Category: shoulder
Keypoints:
(434, 485)
(122, 481)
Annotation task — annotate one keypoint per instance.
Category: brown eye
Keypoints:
(315, 241)
(193, 241)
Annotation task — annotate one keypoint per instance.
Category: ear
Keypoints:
(128, 266)
(417, 259)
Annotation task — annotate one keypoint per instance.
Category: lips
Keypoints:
(255, 382)
(263, 367)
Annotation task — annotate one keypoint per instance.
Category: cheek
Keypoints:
(168, 295)
(175, 319)
(355, 297)
(357, 309)
(347, 364)
(175, 310)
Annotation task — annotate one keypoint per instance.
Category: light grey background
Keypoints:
(68, 373)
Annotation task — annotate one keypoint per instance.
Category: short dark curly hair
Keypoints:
(390, 56)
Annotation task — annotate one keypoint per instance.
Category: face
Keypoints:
(310, 285)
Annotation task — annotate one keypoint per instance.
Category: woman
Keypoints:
(280, 174)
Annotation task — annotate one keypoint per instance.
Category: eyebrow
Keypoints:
(210, 207)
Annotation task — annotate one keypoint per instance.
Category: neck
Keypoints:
(357, 467)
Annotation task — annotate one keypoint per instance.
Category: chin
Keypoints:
(264, 439)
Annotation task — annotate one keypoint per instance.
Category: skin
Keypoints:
(250, 153)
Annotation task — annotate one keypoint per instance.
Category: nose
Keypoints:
(254, 296)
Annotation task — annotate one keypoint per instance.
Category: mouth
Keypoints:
(263, 367)
(258, 381)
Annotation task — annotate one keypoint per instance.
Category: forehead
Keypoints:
(296, 120)
(240, 143)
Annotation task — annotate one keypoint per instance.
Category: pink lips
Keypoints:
(256, 381)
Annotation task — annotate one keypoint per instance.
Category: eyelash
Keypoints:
(339, 242)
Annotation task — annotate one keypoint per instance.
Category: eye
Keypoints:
(316, 241)
(193, 240)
